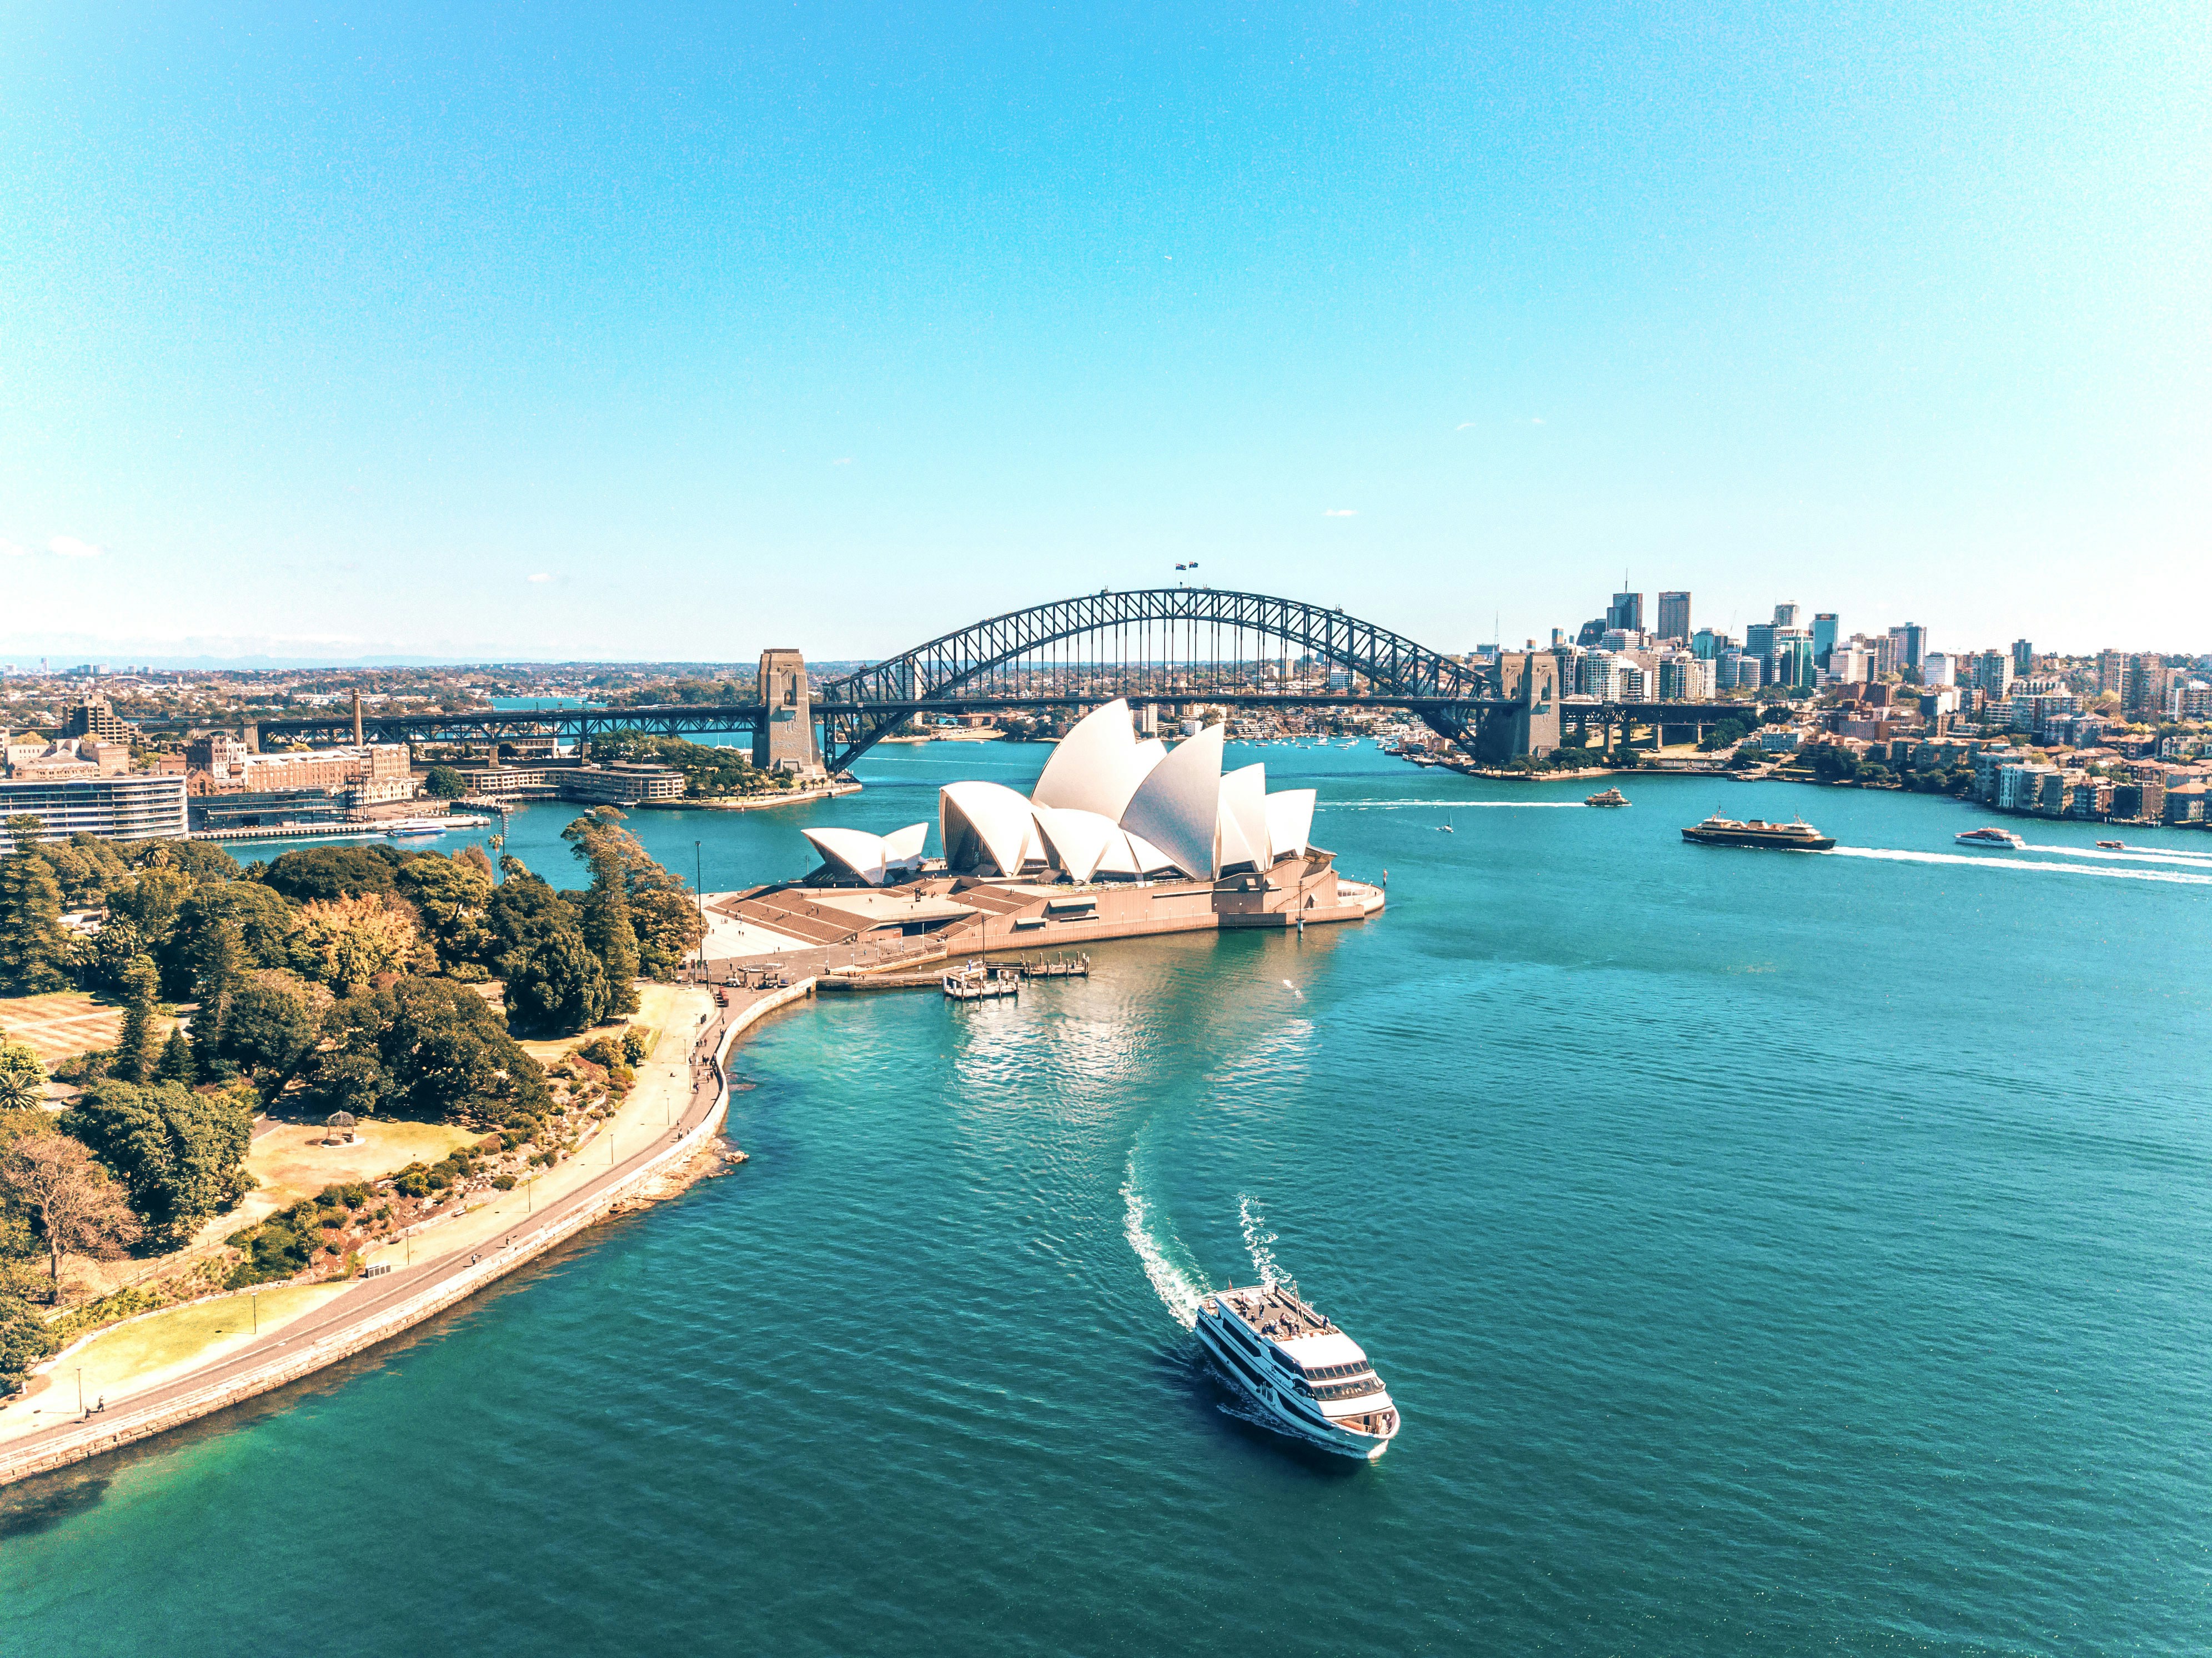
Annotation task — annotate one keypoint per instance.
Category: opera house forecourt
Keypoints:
(1120, 838)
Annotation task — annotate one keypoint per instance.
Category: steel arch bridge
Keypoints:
(1153, 645)
(1164, 644)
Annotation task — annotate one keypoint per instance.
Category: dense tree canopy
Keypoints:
(180, 1154)
(425, 1049)
(323, 873)
(451, 896)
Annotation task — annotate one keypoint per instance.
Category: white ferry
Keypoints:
(1990, 835)
(1309, 1379)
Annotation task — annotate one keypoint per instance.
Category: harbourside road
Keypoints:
(374, 1309)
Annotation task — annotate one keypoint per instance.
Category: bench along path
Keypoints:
(379, 1308)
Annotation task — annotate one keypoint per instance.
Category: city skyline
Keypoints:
(409, 332)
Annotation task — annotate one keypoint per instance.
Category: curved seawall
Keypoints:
(384, 1309)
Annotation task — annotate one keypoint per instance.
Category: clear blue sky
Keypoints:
(649, 332)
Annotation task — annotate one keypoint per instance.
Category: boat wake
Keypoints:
(1257, 1238)
(2185, 860)
(1180, 1291)
(1455, 806)
(1972, 862)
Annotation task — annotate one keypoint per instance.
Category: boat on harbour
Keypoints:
(2115, 846)
(1305, 1377)
(1990, 835)
(1606, 798)
(1796, 835)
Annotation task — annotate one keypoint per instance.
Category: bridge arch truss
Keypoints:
(1158, 644)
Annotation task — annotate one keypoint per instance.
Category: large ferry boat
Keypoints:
(1796, 836)
(1306, 1377)
(1990, 835)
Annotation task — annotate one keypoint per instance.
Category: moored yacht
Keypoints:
(1306, 1377)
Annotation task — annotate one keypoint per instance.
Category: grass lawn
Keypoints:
(128, 1357)
(291, 1162)
(66, 1023)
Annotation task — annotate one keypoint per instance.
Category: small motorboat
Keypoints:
(1445, 828)
(2115, 846)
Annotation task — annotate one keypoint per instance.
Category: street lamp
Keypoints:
(699, 895)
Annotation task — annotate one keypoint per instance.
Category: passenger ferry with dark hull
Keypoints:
(1306, 1377)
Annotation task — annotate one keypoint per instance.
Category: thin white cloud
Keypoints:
(1340, 511)
(70, 547)
(10, 550)
(842, 461)
(540, 576)
(1462, 426)
(1535, 420)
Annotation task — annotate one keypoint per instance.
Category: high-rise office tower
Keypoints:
(1823, 636)
(1758, 639)
(1785, 616)
(1908, 644)
(1673, 615)
(1625, 612)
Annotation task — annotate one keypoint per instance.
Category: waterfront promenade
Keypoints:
(659, 1132)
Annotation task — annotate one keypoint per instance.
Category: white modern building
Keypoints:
(143, 806)
(1108, 807)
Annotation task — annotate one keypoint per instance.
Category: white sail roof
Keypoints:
(1096, 766)
(867, 857)
(1243, 820)
(1178, 805)
(1290, 820)
(982, 823)
(1077, 840)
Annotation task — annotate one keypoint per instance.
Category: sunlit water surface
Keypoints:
(1770, 1253)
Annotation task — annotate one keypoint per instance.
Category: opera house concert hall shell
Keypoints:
(1119, 837)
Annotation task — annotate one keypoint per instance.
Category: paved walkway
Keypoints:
(370, 1297)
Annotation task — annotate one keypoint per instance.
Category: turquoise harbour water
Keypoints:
(1771, 1254)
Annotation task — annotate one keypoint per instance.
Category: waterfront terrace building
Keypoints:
(146, 806)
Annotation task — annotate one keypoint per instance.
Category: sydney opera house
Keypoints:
(1119, 837)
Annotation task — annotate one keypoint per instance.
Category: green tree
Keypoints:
(176, 1063)
(89, 869)
(181, 1155)
(152, 900)
(24, 1340)
(558, 984)
(270, 1029)
(452, 895)
(22, 1078)
(264, 924)
(194, 858)
(34, 950)
(598, 839)
(668, 923)
(139, 1052)
(445, 783)
(323, 873)
(425, 1049)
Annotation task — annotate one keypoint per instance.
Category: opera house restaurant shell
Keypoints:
(1120, 838)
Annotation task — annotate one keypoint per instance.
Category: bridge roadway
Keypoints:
(701, 720)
